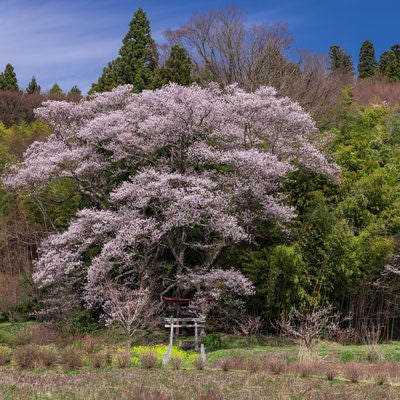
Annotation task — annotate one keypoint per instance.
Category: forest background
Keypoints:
(342, 248)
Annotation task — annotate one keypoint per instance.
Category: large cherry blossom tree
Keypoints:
(174, 176)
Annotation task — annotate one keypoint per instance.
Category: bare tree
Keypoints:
(227, 51)
(303, 328)
(131, 309)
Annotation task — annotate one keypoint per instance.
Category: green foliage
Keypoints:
(340, 61)
(8, 79)
(55, 89)
(389, 66)
(82, 322)
(137, 61)
(55, 205)
(75, 91)
(6, 338)
(108, 80)
(33, 87)
(5, 355)
(367, 63)
(177, 68)
(220, 341)
(368, 202)
(16, 139)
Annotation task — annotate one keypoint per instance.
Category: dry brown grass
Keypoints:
(199, 363)
(228, 363)
(352, 371)
(101, 359)
(34, 356)
(277, 364)
(148, 359)
(367, 92)
(165, 384)
(90, 343)
(123, 359)
(71, 357)
(43, 334)
(175, 362)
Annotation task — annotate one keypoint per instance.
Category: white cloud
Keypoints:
(56, 42)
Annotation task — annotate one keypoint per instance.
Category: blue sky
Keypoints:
(70, 41)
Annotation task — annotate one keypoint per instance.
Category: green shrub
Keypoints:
(213, 342)
(6, 338)
(82, 322)
(21, 335)
(5, 355)
(346, 356)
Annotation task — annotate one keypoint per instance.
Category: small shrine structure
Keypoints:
(178, 309)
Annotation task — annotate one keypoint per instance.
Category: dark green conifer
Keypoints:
(75, 91)
(383, 61)
(108, 80)
(55, 89)
(177, 68)
(33, 87)
(8, 79)
(137, 61)
(340, 61)
(396, 49)
(367, 62)
(389, 66)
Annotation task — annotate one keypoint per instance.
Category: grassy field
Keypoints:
(37, 363)
(188, 384)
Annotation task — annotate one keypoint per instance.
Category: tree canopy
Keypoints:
(367, 63)
(340, 61)
(174, 177)
(137, 61)
(8, 79)
(177, 68)
(33, 87)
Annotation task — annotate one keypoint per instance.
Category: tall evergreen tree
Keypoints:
(33, 87)
(389, 66)
(55, 89)
(367, 63)
(75, 91)
(396, 49)
(177, 68)
(137, 61)
(340, 61)
(383, 61)
(108, 80)
(8, 79)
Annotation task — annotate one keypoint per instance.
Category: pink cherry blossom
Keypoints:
(175, 176)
